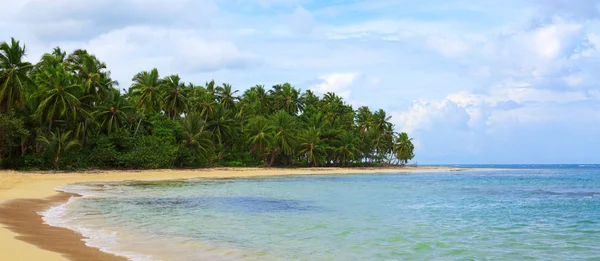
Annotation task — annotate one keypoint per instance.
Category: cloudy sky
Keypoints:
(478, 81)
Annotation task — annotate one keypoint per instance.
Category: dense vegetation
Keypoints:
(65, 112)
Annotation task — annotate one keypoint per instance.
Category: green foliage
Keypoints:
(57, 144)
(66, 112)
(12, 136)
(150, 152)
(104, 154)
(233, 163)
(28, 162)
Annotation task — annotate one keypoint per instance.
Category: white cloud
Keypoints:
(72, 19)
(195, 53)
(337, 82)
(425, 115)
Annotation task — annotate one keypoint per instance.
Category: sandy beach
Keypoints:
(24, 236)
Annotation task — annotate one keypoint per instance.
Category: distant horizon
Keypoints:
(549, 164)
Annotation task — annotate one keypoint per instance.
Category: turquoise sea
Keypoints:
(523, 213)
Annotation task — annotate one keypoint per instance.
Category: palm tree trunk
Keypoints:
(85, 125)
(273, 155)
(56, 160)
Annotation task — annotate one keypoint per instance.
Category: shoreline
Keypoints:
(24, 235)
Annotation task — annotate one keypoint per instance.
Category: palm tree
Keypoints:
(311, 146)
(260, 136)
(59, 92)
(196, 135)
(226, 97)
(284, 139)
(346, 149)
(83, 115)
(221, 125)
(90, 73)
(13, 75)
(50, 60)
(57, 144)
(335, 108)
(113, 112)
(287, 98)
(210, 87)
(146, 87)
(194, 95)
(404, 148)
(207, 106)
(381, 125)
(262, 99)
(309, 98)
(363, 119)
(174, 99)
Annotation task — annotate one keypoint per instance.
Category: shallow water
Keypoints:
(521, 214)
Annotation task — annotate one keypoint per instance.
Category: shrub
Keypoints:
(104, 154)
(233, 163)
(188, 157)
(149, 152)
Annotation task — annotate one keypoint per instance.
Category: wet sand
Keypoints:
(20, 216)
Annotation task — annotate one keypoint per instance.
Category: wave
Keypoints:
(570, 193)
(106, 240)
(119, 239)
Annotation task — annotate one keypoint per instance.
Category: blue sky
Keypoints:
(512, 81)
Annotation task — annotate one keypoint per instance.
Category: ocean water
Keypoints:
(519, 214)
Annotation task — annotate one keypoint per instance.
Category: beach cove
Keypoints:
(24, 194)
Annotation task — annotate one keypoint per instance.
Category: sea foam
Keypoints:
(104, 239)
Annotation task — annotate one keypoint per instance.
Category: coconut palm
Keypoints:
(174, 99)
(194, 95)
(146, 87)
(196, 134)
(226, 96)
(311, 146)
(207, 106)
(14, 77)
(404, 148)
(346, 148)
(260, 136)
(57, 144)
(284, 137)
(59, 91)
(50, 60)
(384, 129)
(113, 112)
(91, 73)
(262, 99)
(221, 125)
(363, 119)
(287, 98)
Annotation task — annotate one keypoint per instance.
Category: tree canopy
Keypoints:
(66, 112)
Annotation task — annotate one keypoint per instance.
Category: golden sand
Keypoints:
(24, 236)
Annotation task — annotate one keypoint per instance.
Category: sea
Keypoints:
(499, 212)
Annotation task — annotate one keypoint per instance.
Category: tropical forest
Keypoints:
(66, 112)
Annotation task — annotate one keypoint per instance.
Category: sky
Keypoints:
(486, 81)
